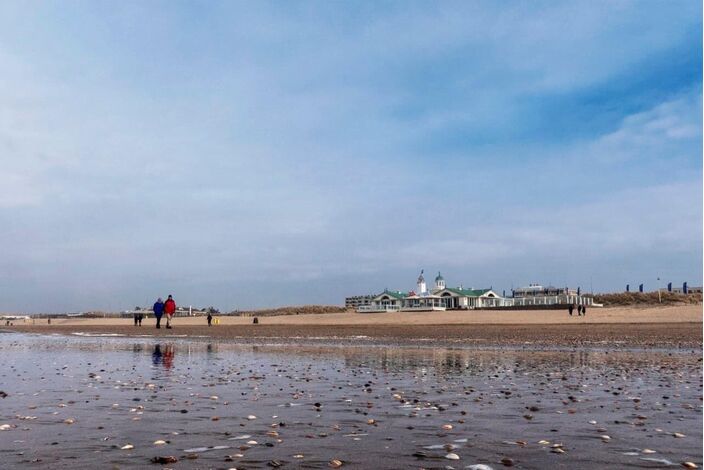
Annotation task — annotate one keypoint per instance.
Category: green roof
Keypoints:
(394, 294)
(467, 292)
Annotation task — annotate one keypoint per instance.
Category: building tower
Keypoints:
(421, 284)
(439, 282)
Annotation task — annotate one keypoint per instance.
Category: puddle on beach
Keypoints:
(87, 402)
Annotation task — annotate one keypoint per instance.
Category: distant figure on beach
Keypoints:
(48, 321)
(158, 309)
(169, 310)
(255, 321)
(571, 309)
(210, 319)
(584, 310)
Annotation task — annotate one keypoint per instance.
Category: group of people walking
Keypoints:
(581, 310)
(162, 308)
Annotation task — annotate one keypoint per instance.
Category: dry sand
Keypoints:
(678, 327)
(679, 314)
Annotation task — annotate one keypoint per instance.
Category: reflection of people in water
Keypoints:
(156, 355)
(163, 355)
(168, 356)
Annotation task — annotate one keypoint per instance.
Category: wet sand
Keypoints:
(116, 402)
(668, 327)
(649, 335)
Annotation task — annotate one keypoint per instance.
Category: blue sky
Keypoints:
(252, 154)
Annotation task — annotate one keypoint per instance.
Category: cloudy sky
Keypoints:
(251, 154)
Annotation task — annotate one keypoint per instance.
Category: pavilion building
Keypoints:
(439, 298)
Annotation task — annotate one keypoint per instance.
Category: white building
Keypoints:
(537, 295)
(439, 298)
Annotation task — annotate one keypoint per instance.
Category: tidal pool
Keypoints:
(89, 402)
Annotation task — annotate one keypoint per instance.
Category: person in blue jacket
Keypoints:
(158, 309)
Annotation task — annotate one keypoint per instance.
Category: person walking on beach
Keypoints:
(571, 309)
(584, 310)
(210, 319)
(158, 309)
(169, 310)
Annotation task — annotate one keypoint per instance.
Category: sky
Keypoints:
(259, 154)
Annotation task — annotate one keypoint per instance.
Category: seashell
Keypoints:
(127, 447)
(159, 442)
(335, 463)
(648, 451)
(452, 456)
(689, 465)
(69, 421)
(251, 417)
(678, 434)
(447, 426)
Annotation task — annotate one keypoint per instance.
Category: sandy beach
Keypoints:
(438, 390)
(667, 327)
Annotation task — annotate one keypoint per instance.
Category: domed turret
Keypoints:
(439, 282)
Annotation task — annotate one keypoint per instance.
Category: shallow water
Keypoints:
(76, 402)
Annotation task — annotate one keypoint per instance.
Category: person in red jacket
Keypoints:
(169, 310)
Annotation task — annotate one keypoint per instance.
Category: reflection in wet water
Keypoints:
(371, 407)
(163, 355)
